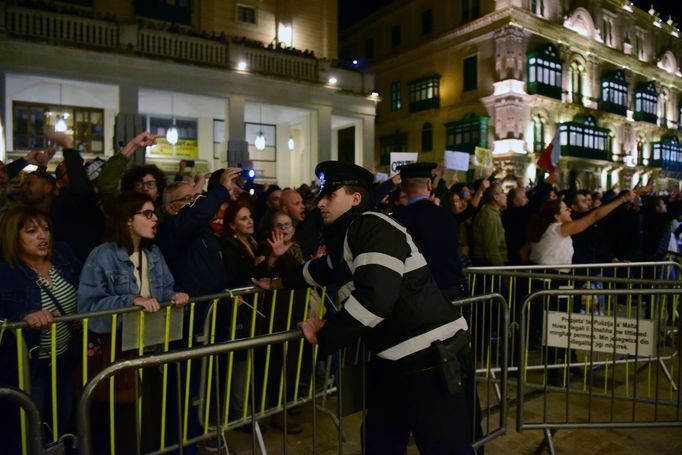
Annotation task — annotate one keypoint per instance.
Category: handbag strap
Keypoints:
(53, 298)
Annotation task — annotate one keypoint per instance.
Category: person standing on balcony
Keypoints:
(390, 299)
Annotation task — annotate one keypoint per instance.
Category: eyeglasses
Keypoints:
(149, 214)
(189, 198)
(282, 225)
(149, 184)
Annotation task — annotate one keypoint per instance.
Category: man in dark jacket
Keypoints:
(390, 299)
(433, 229)
(188, 244)
(520, 209)
(192, 253)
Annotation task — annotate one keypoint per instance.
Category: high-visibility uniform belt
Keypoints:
(423, 341)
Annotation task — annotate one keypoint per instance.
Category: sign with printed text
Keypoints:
(457, 161)
(600, 333)
(400, 158)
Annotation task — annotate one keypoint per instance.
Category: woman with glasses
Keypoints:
(129, 270)
(38, 281)
(282, 253)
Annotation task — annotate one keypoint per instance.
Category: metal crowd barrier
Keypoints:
(31, 421)
(491, 390)
(618, 370)
(490, 354)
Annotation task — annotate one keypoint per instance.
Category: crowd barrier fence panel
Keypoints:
(591, 368)
(508, 280)
(490, 367)
(31, 421)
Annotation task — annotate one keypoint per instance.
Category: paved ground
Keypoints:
(558, 406)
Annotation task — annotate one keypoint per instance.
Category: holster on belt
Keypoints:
(451, 354)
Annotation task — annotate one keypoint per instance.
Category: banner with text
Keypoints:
(400, 158)
(599, 333)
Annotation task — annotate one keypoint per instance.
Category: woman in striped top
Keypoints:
(39, 281)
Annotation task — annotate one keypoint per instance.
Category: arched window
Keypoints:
(544, 72)
(427, 137)
(663, 99)
(577, 74)
(538, 133)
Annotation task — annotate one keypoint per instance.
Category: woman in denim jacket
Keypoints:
(38, 281)
(130, 270)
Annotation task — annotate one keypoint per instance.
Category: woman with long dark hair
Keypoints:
(129, 270)
(551, 230)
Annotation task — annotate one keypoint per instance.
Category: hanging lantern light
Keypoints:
(172, 135)
(260, 141)
(290, 143)
(60, 126)
(172, 132)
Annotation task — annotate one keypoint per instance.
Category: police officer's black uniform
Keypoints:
(435, 232)
(391, 301)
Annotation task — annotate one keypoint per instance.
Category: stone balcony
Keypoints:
(70, 30)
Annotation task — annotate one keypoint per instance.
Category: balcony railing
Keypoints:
(60, 28)
(181, 47)
(64, 29)
(275, 63)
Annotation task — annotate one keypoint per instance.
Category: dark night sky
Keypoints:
(665, 7)
(353, 10)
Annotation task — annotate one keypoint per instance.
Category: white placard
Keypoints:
(457, 161)
(599, 335)
(400, 158)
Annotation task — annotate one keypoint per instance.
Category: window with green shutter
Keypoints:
(424, 93)
(544, 72)
(646, 103)
(614, 93)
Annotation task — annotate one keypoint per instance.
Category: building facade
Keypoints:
(223, 73)
(508, 74)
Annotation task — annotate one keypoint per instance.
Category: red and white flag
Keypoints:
(549, 158)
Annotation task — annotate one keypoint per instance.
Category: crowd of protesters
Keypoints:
(80, 241)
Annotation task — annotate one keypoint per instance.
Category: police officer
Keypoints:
(433, 228)
(390, 300)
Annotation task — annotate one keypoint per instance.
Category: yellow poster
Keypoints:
(483, 157)
(185, 148)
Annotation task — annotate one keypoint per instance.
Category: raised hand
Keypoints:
(276, 242)
(144, 139)
(61, 139)
(229, 179)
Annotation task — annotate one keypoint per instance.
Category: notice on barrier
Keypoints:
(599, 333)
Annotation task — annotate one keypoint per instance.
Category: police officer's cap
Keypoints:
(335, 174)
(416, 170)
